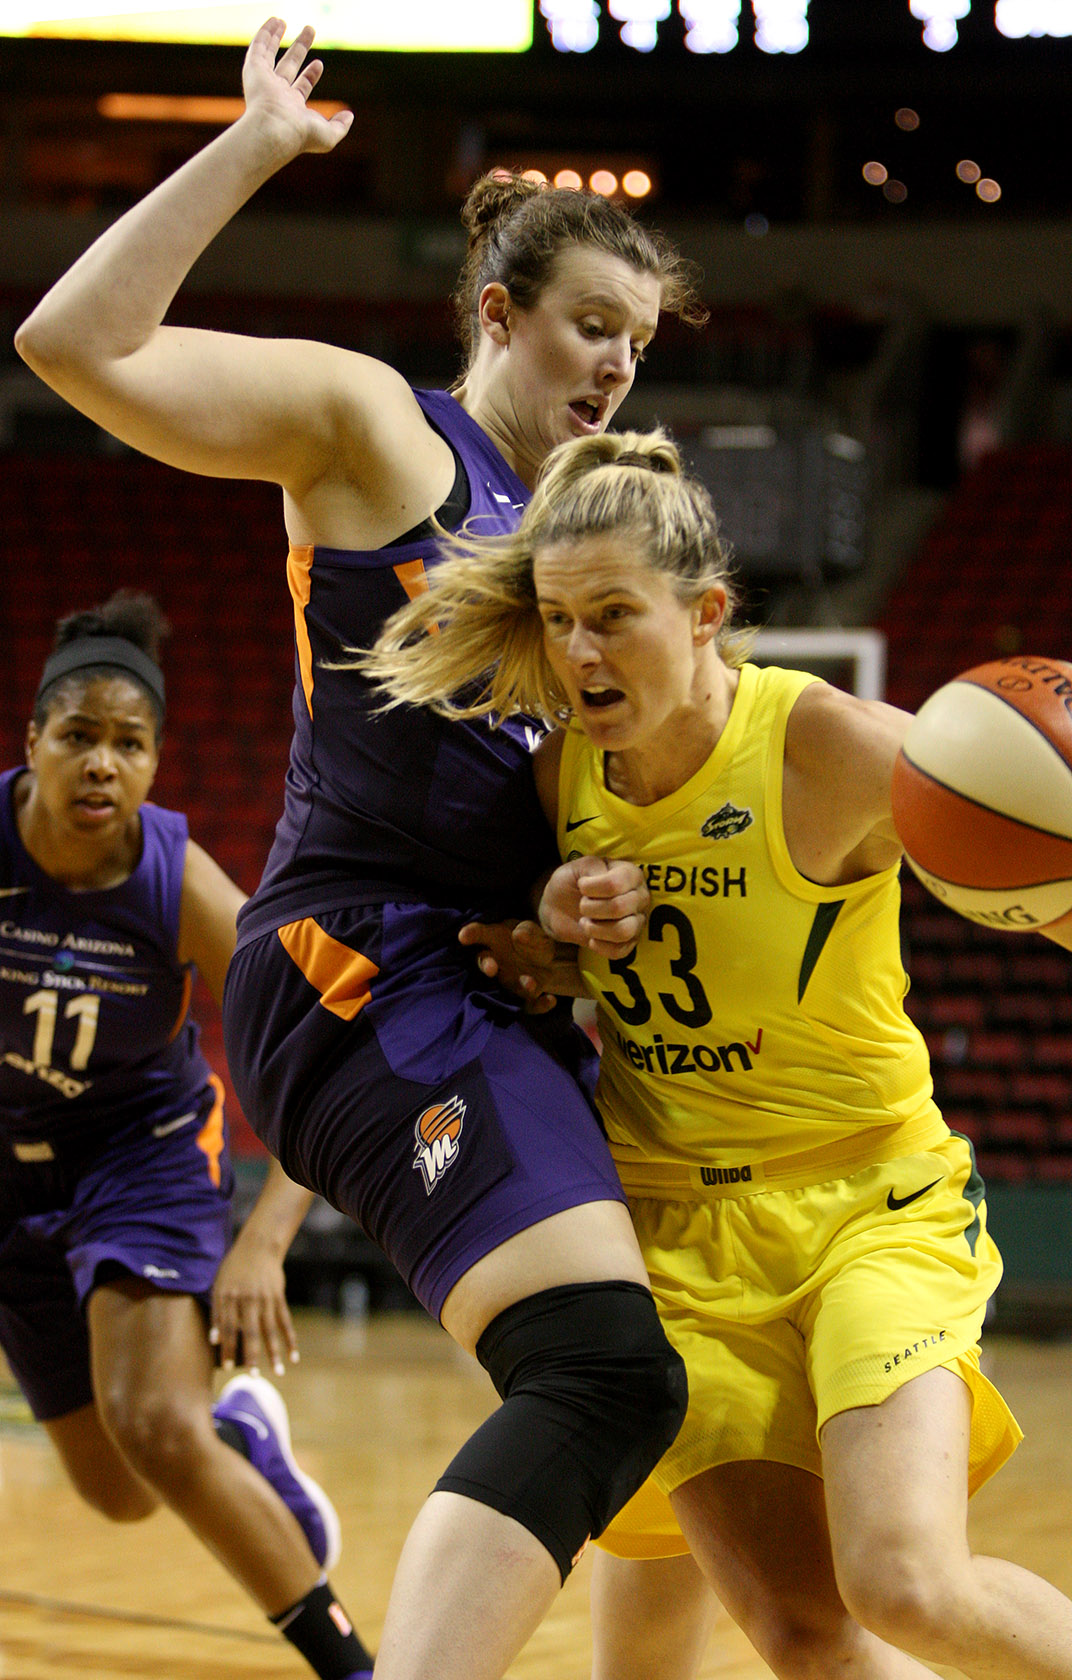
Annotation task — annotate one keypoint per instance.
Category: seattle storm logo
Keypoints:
(437, 1131)
(726, 821)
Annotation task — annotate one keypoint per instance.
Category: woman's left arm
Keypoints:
(210, 904)
(837, 806)
(840, 754)
(597, 902)
(250, 1317)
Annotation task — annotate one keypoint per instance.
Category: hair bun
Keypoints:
(131, 614)
(493, 198)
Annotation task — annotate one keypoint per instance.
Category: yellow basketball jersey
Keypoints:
(757, 1034)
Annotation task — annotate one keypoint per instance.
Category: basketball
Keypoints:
(982, 793)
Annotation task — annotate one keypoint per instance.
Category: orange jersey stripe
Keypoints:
(210, 1137)
(413, 577)
(300, 583)
(187, 991)
(339, 974)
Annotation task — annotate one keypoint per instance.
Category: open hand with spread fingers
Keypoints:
(277, 88)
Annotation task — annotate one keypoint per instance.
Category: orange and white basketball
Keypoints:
(982, 793)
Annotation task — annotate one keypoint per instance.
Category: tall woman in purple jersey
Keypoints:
(115, 1175)
(377, 1062)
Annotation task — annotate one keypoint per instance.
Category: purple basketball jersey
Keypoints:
(402, 805)
(94, 1032)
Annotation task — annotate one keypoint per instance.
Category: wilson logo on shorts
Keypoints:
(437, 1132)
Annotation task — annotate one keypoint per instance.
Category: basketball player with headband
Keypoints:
(815, 1235)
(115, 1172)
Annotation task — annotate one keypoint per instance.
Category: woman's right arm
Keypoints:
(212, 403)
(600, 903)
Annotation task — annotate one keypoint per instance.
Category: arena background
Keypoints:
(881, 401)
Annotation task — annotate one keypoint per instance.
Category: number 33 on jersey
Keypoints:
(741, 1013)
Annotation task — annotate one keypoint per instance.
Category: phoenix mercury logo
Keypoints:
(437, 1131)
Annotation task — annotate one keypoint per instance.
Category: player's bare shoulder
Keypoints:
(829, 730)
(839, 757)
(378, 418)
(387, 468)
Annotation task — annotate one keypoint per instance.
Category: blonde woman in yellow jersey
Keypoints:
(816, 1237)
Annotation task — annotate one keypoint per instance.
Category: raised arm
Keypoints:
(218, 403)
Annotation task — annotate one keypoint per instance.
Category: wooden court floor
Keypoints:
(377, 1409)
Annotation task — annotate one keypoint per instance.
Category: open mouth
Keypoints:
(588, 413)
(597, 698)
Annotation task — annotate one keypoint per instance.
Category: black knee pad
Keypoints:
(593, 1394)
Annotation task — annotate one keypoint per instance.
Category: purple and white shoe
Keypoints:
(259, 1411)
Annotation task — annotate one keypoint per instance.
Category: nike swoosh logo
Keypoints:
(255, 1424)
(577, 822)
(894, 1202)
(173, 1125)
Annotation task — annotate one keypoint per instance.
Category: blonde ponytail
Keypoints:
(472, 644)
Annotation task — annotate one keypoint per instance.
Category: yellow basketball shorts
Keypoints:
(789, 1306)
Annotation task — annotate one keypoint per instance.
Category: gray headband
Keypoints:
(103, 650)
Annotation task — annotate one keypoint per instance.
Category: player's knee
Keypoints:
(599, 1351)
(643, 1394)
(801, 1627)
(593, 1395)
(907, 1598)
(160, 1434)
(800, 1648)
